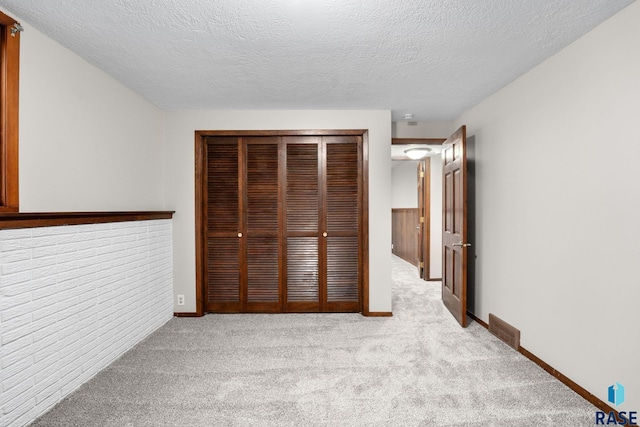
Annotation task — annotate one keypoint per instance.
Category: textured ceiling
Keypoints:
(432, 58)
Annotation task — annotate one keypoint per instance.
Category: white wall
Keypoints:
(404, 184)
(422, 129)
(435, 248)
(179, 183)
(73, 299)
(87, 143)
(558, 207)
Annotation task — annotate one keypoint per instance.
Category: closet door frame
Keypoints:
(201, 203)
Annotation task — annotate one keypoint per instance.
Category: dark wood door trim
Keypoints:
(9, 112)
(201, 203)
(364, 226)
(424, 207)
(302, 132)
(426, 242)
(410, 141)
(201, 226)
(421, 212)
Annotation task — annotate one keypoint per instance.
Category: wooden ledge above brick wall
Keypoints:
(50, 219)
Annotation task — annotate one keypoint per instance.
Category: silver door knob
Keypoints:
(462, 245)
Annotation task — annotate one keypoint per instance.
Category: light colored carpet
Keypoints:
(417, 368)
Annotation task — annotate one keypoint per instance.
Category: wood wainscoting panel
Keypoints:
(404, 233)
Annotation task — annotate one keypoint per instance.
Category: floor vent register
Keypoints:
(504, 331)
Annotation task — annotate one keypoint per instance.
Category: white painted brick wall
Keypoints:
(72, 300)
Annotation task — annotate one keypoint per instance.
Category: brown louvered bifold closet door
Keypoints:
(302, 225)
(262, 225)
(322, 225)
(342, 200)
(222, 281)
(283, 223)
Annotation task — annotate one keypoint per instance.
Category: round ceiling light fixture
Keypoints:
(416, 153)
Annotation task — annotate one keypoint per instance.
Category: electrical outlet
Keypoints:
(180, 299)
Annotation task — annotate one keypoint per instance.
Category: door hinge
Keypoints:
(421, 220)
(421, 174)
(421, 264)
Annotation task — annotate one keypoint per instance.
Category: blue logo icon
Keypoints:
(622, 418)
(616, 394)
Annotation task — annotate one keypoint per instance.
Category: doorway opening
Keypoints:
(417, 205)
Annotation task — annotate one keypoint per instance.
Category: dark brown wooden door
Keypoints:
(322, 227)
(302, 210)
(454, 238)
(242, 225)
(222, 226)
(260, 240)
(340, 223)
(283, 224)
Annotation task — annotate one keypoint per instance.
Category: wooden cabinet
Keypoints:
(283, 225)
